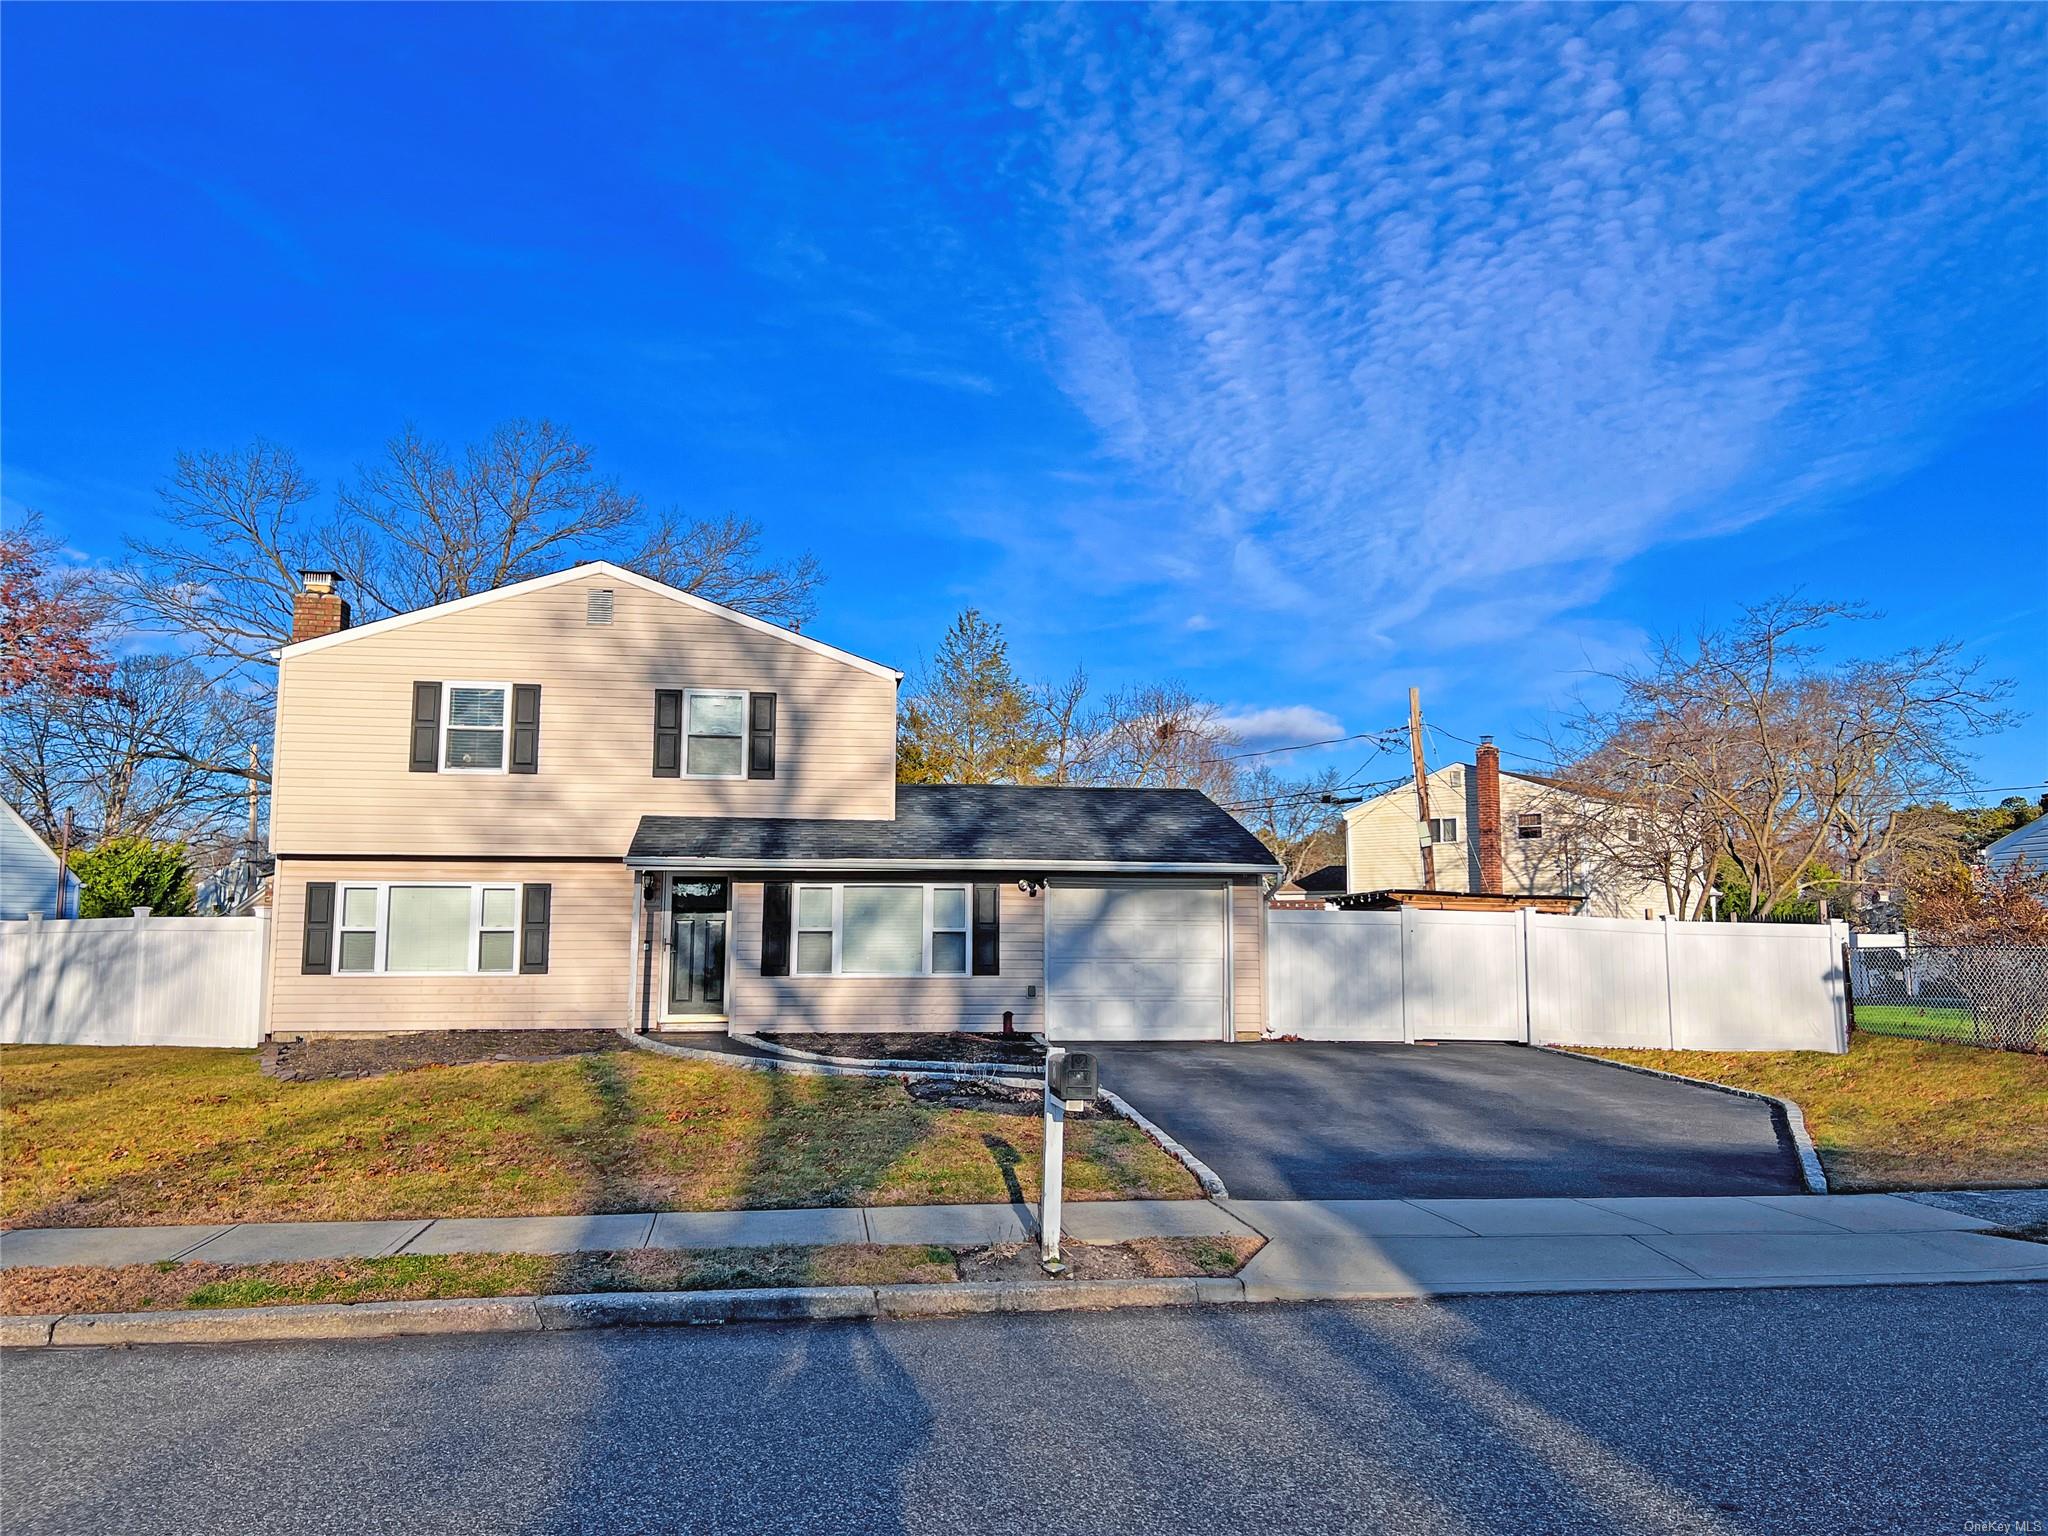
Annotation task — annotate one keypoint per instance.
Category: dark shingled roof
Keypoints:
(996, 824)
(1329, 879)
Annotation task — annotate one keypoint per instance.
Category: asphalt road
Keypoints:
(1908, 1409)
(1286, 1121)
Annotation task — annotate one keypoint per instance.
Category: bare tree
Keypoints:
(1749, 745)
(161, 752)
(720, 559)
(1297, 819)
(423, 525)
(1068, 725)
(223, 583)
(1161, 736)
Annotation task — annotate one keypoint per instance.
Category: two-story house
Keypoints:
(591, 800)
(1492, 833)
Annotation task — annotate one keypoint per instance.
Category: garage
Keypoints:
(1137, 960)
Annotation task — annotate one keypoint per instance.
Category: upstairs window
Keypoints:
(1529, 824)
(474, 728)
(1443, 829)
(716, 726)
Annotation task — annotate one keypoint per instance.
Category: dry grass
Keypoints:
(429, 1277)
(99, 1137)
(1898, 1114)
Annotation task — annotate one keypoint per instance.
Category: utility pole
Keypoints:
(253, 769)
(1421, 788)
(63, 860)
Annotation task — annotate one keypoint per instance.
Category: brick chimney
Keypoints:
(1486, 788)
(317, 609)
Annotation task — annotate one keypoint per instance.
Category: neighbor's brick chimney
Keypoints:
(1486, 786)
(317, 609)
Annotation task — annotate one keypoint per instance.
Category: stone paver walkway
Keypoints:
(1314, 1249)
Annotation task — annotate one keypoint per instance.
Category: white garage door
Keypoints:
(1137, 960)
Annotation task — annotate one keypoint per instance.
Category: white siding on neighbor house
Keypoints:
(586, 985)
(344, 728)
(862, 1004)
(1383, 851)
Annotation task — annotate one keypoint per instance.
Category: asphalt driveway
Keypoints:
(1285, 1121)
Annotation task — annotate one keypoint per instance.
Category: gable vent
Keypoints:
(598, 607)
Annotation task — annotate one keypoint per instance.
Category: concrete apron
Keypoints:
(1356, 1250)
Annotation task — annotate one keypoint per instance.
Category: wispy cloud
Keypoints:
(1431, 317)
(1281, 723)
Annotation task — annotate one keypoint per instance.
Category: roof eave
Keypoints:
(725, 863)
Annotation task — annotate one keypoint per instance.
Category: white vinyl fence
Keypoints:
(133, 981)
(1549, 980)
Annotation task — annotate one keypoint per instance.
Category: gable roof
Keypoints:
(2029, 842)
(604, 568)
(1024, 827)
(1329, 878)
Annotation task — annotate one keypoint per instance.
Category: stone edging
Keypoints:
(551, 1314)
(1811, 1173)
(897, 1064)
(1212, 1185)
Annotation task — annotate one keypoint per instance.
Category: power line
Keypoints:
(1302, 746)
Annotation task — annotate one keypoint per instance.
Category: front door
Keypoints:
(696, 946)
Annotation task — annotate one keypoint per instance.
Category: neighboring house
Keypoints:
(2029, 842)
(28, 873)
(239, 887)
(593, 800)
(1499, 835)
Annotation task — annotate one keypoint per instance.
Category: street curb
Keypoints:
(1785, 1111)
(856, 1303)
(800, 1061)
(623, 1309)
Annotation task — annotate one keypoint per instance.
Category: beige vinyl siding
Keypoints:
(854, 1004)
(344, 714)
(1247, 960)
(585, 986)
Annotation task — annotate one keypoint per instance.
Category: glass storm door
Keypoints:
(696, 946)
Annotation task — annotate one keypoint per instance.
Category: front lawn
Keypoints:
(1897, 1114)
(97, 1136)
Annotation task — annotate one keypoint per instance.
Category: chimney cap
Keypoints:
(319, 581)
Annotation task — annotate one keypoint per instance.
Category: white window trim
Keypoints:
(925, 971)
(1522, 819)
(1456, 828)
(746, 733)
(477, 929)
(448, 688)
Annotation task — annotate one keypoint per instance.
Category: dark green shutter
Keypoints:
(988, 930)
(525, 755)
(316, 958)
(534, 904)
(760, 735)
(426, 727)
(775, 928)
(668, 733)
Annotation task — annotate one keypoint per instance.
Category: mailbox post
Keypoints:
(1070, 1083)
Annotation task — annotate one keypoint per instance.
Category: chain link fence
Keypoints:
(1995, 996)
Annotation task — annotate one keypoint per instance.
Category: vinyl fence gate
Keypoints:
(1552, 980)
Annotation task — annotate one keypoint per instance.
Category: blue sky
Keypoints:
(1303, 355)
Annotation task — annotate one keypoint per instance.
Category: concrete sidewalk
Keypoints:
(280, 1242)
(1314, 1249)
